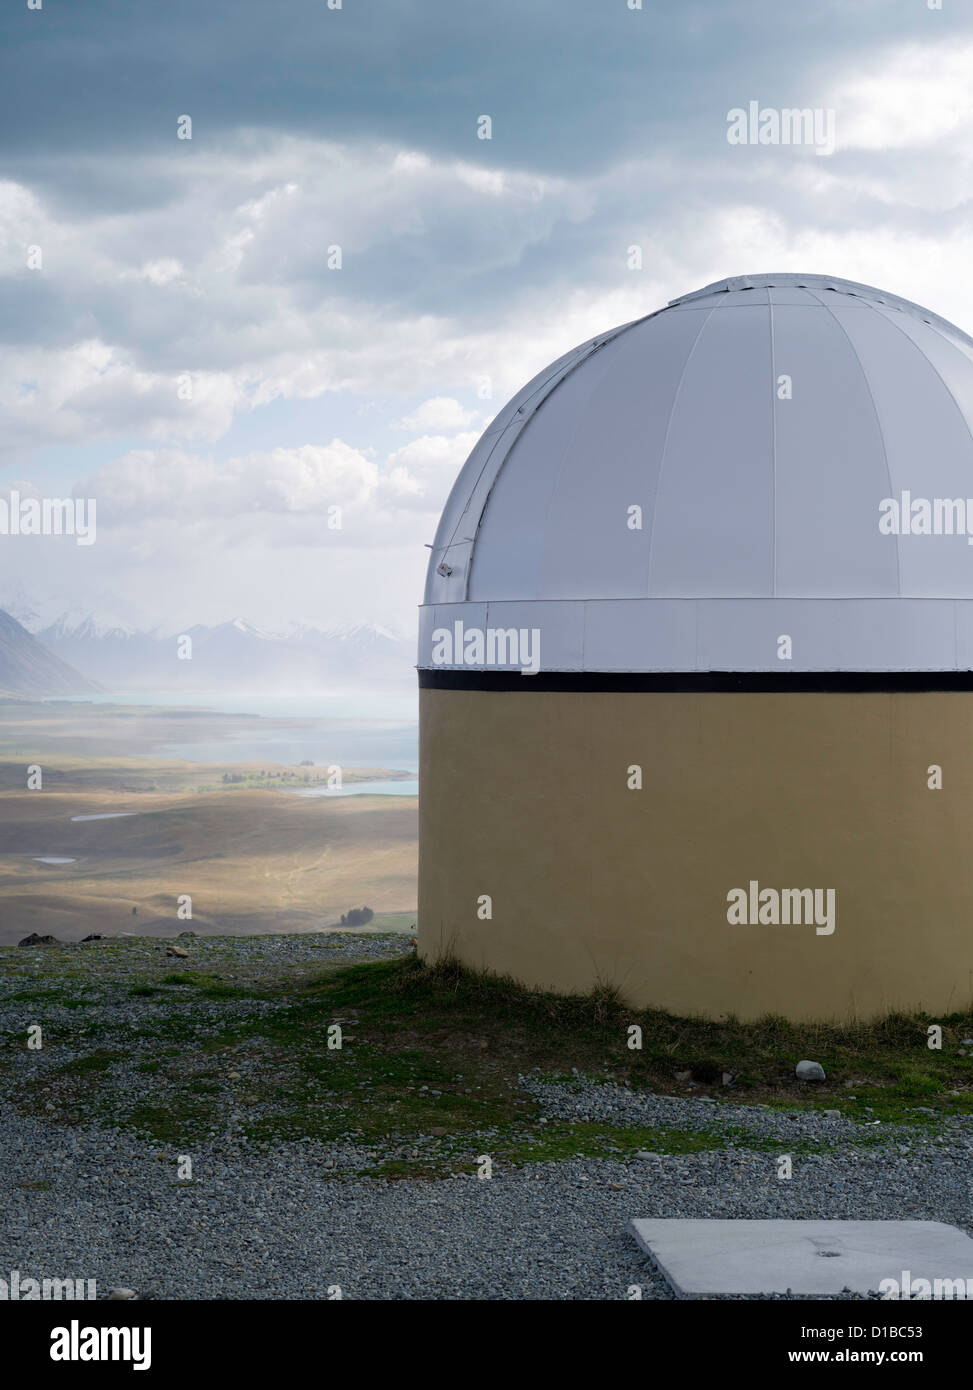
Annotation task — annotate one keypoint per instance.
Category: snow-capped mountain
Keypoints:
(30, 668)
(36, 614)
(86, 627)
(231, 656)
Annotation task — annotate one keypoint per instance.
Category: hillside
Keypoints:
(28, 667)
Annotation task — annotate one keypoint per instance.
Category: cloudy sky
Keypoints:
(178, 341)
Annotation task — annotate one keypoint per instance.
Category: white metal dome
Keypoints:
(763, 425)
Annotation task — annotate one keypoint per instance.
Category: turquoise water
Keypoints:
(369, 728)
(407, 787)
(394, 702)
(347, 744)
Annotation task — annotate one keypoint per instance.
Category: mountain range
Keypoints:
(29, 668)
(86, 653)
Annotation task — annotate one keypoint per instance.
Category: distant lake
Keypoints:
(407, 787)
(377, 727)
(347, 743)
(400, 702)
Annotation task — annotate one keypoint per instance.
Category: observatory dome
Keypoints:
(773, 454)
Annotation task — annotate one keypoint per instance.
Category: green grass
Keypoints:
(95, 1062)
(485, 1018)
(48, 996)
(467, 1036)
(169, 1124)
(437, 1047)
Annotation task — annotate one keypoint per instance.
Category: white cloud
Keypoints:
(453, 274)
(422, 472)
(913, 95)
(152, 484)
(156, 272)
(439, 413)
(285, 495)
(93, 390)
(227, 278)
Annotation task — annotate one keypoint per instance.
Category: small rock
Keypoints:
(683, 1075)
(966, 1042)
(809, 1071)
(233, 1076)
(728, 1078)
(645, 1153)
(438, 1131)
(188, 933)
(94, 937)
(35, 940)
(832, 1114)
(176, 951)
(118, 1295)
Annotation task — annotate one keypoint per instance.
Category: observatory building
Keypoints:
(696, 664)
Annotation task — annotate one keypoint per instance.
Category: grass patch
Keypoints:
(46, 996)
(173, 1123)
(431, 1055)
(482, 1017)
(95, 1062)
(212, 986)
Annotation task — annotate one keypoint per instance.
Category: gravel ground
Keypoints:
(239, 957)
(279, 1223)
(273, 1225)
(617, 1105)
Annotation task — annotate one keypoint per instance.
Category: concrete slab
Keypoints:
(807, 1257)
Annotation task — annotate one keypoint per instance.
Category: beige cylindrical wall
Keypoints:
(524, 799)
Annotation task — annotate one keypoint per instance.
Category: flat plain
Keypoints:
(252, 856)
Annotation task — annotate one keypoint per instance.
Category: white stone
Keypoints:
(806, 1257)
(809, 1071)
